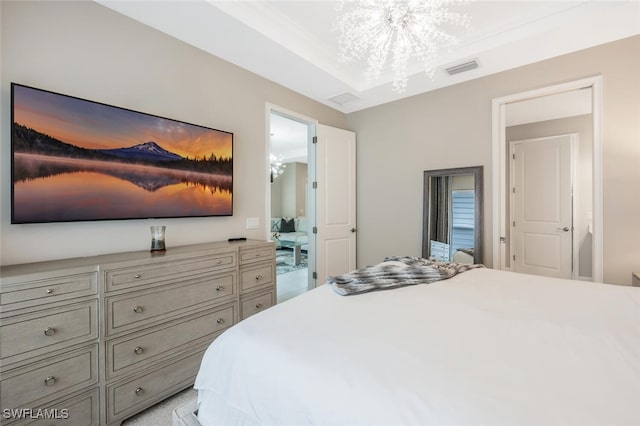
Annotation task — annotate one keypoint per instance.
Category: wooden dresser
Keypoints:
(96, 340)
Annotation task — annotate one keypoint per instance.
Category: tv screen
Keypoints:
(79, 160)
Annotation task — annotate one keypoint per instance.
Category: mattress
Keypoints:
(485, 347)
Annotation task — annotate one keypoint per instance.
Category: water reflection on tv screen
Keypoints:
(79, 160)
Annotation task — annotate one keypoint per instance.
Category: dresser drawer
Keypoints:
(254, 304)
(129, 353)
(162, 272)
(257, 255)
(32, 384)
(35, 293)
(251, 278)
(45, 331)
(128, 397)
(127, 311)
(77, 410)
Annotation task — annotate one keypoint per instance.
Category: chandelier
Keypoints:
(395, 30)
(277, 168)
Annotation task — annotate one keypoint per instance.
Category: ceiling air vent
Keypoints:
(465, 66)
(344, 98)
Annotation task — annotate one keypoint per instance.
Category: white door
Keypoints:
(336, 202)
(541, 206)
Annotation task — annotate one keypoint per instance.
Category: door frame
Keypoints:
(311, 124)
(575, 191)
(498, 111)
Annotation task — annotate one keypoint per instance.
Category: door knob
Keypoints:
(565, 229)
(353, 229)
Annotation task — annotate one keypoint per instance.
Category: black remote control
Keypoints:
(237, 239)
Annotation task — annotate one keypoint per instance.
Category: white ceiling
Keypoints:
(293, 42)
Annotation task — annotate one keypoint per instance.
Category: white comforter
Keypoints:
(483, 348)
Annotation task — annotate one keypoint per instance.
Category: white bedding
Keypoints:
(482, 348)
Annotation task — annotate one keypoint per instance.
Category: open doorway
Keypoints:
(291, 205)
(582, 123)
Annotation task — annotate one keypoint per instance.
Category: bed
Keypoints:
(484, 347)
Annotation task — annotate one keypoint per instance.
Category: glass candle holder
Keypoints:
(157, 238)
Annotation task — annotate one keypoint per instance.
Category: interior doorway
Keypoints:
(589, 172)
(291, 207)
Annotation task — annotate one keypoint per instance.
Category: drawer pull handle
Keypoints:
(50, 381)
(49, 290)
(139, 391)
(220, 288)
(258, 305)
(258, 277)
(218, 262)
(136, 276)
(138, 350)
(138, 309)
(49, 331)
(220, 321)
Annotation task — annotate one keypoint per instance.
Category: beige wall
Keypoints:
(462, 182)
(451, 127)
(302, 172)
(288, 191)
(86, 50)
(276, 198)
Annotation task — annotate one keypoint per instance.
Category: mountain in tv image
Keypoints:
(34, 142)
(30, 141)
(79, 160)
(38, 155)
(150, 151)
(55, 181)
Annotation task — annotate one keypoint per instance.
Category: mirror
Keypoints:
(452, 218)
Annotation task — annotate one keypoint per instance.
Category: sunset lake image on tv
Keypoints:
(78, 160)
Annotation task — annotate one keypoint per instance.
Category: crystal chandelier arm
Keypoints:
(381, 30)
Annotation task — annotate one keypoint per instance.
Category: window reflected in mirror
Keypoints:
(452, 224)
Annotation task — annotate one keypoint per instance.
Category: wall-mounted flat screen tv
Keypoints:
(79, 160)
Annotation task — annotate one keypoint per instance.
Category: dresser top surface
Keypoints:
(90, 263)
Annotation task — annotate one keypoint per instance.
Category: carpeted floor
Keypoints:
(284, 261)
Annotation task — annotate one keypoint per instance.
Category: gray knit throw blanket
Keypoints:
(396, 272)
